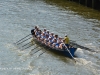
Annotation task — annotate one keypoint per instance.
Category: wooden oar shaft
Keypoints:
(26, 44)
(28, 47)
(71, 54)
(22, 38)
(42, 53)
(34, 48)
(35, 52)
(82, 47)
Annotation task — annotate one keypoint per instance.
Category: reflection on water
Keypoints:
(79, 9)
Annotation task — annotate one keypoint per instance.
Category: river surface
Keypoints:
(18, 17)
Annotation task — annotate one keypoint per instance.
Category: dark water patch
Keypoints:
(96, 30)
(79, 9)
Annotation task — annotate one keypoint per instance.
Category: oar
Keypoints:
(82, 47)
(34, 48)
(35, 52)
(26, 44)
(71, 54)
(42, 53)
(22, 38)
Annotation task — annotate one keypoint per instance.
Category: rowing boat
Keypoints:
(68, 53)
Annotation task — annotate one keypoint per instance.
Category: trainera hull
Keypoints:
(63, 52)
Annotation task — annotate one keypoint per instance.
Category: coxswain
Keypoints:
(66, 41)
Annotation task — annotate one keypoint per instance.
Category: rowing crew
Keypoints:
(50, 39)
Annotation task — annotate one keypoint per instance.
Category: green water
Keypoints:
(76, 7)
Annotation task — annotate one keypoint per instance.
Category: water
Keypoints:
(18, 17)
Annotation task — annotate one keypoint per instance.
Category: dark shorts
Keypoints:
(67, 45)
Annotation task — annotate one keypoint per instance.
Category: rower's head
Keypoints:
(56, 36)
(36, 27)
(52, 33)
(47, 35)
(65, 35)
(60, 38)
(45, 29)
(55, 40)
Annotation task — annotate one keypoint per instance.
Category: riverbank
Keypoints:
(79, 9)
(95, 4)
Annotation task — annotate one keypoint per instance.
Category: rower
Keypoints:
(32, 31)
(42, 37)
(44, 31)
(54, 43)
(50, 41)
(39, 35)
(55, 37)
(46, 40)
(36, 32)
(62, 45)
(51, 35)
(59, 41)
(47, 33)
